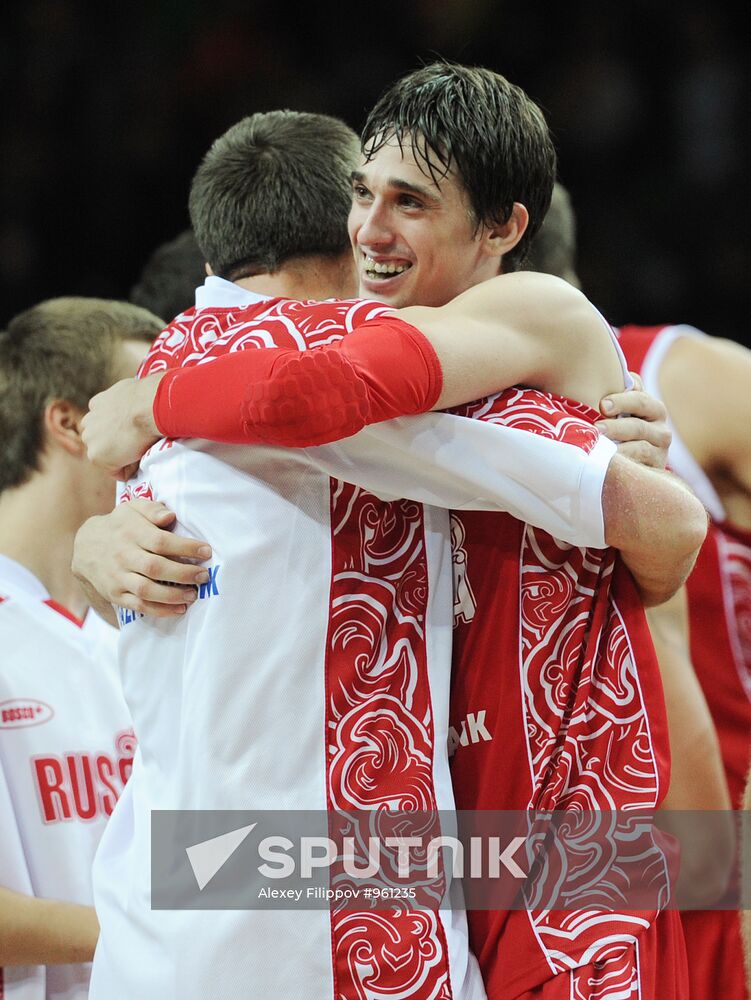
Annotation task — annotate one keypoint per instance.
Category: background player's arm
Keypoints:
(706, 384)
(37, 931)
(697, 776)
(656, 522)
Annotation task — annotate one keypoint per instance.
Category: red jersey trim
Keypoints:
(62, 610)
(379, 721)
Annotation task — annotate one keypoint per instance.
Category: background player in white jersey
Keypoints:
(508, 285)
(65, 734)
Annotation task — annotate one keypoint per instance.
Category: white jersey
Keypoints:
(311, 674)
(66, 748)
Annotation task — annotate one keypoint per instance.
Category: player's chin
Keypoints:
(395, 290)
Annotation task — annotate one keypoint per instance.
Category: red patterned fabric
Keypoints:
(655, 966)
(381, 743)
(719, 596)
(719, 601)
(196, 337)
(553, 655)
(635, 343)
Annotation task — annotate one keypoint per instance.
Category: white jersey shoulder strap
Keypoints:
(680, 459)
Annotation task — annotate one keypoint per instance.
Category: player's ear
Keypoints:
(498, 240)
(62, 426)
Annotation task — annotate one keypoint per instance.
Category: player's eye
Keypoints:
(360, 192)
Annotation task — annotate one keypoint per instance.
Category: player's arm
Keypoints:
(697, 776)
(524, 328)
(706, 384)
(36, 931)
(575, 490)
(656, 522)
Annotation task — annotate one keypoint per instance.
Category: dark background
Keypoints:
(107, 110)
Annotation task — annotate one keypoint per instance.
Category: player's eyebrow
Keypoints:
(400, 185)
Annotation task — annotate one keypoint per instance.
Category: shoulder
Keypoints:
(328, 320)
(536, 412)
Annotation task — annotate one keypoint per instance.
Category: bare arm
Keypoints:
(697, 777)
(37, 931)
(519, 329)
(657, 524)
(706, 384)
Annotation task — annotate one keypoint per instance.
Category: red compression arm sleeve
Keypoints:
(385, 368)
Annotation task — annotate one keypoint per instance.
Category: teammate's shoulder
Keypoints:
(565, 420)
(324, 321)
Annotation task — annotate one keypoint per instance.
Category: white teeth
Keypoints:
(374, 266)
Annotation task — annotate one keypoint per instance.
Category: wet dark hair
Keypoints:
(473, 121)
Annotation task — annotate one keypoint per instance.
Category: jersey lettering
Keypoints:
(21, 712)
(81, 784)
(209, 589)
(476, 733)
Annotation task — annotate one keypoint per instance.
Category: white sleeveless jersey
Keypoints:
(66, 749)
(312, 673)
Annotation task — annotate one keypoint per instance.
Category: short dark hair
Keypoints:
(473, 120)
(553, 250)
(274, 187)
(60, 349)
(166, 285)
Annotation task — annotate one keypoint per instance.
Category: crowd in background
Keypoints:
(112, 106)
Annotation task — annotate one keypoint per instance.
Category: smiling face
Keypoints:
(415, 242)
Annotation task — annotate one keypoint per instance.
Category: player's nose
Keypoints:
(375, 229)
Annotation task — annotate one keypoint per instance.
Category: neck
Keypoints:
(307, 278)
(37, 529)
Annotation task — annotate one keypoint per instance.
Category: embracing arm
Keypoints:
(656, 522)
(524, 328)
